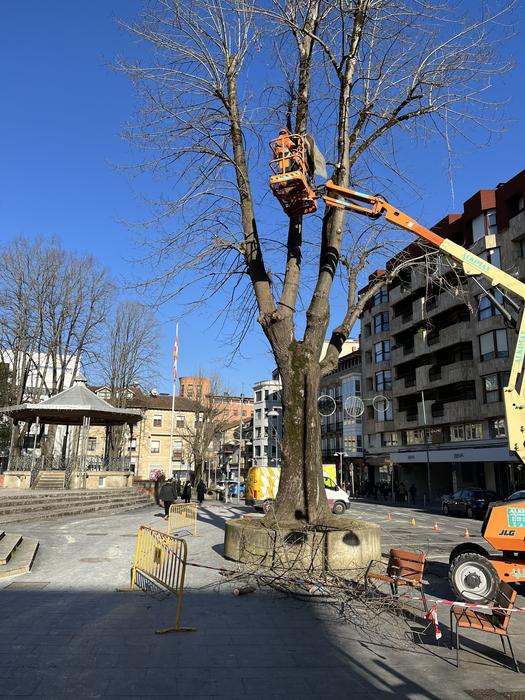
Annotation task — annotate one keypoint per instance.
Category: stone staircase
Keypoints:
(48, 480)
(16, 554)
(37, 505)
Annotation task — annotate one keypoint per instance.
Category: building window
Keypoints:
(190, 391)
(244, 413)
(486, 308)
(181, 421)
(381, 297)
(385, 410)
(92, 444)
(382, 351)
(492, 227)
(381, 322)
(492, 256)
(521, 247)
(415, 437)
(258, 414)
(368, 330)
(389, 439)
(383, 380)
(493, 385)
(493, 344)
(154, 447)
(199, 391)
(133, 444)
(469, 431)
(157, 421)
(258, 396)
(497, 428)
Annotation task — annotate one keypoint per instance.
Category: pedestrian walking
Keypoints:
(201, 490)
(186, 492)
(402, 492)
(412, 490)
(168, 496)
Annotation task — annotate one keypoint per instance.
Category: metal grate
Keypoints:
(27, 586)
(490, 694)
(94, 560)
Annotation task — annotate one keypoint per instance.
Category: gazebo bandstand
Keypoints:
(80, 408)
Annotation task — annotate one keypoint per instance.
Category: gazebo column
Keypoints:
(86, 422)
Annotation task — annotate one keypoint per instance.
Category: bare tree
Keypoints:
(360, 73)
(131, 349)
(209, 421)
(52, 307)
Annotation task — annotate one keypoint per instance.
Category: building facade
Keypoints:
(439, 352)
(267, 422)
(341, 428)
(149, 446)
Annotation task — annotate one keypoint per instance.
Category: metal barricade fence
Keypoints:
(161, 558)
(182, 515)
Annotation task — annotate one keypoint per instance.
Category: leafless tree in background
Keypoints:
(209, 421)
(53, 306)
(130, 349)
(219, 78)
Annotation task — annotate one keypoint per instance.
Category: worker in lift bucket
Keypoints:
(286, 152)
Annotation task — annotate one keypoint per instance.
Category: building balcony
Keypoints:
(434, 376)
(398, 293)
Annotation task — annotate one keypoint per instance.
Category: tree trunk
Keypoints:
(301, 498)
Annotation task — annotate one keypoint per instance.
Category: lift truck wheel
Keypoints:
(473, 578)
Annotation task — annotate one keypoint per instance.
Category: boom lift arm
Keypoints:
(375, 207)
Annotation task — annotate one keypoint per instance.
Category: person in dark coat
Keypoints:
(167, 495)
(412, 490)
(186, 493)
(201, 490)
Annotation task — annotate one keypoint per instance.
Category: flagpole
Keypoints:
(175, 357)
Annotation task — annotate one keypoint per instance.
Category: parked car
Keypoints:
(472, 502)
(516, 496)
(242, 489)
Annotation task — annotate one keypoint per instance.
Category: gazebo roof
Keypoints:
(70, 406)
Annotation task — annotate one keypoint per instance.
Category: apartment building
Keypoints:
(439, 352)
(267, 422)
(149, 446)
(341, 432)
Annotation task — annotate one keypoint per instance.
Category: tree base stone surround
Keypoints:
(343, 549)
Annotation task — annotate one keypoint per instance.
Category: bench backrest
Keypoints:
(504, 599)
(408, 565)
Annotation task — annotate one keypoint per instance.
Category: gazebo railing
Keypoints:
(108, 464)
(26, 462)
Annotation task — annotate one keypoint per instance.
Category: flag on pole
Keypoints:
(175, 354)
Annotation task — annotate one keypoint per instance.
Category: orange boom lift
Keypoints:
(474, 572)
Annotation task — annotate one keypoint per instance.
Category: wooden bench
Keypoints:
(404, 568)
(494, 622)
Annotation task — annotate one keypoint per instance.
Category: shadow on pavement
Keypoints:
(63, 644)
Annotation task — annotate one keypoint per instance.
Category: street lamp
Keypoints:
(340, 455)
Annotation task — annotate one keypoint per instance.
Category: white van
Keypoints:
(262, 484)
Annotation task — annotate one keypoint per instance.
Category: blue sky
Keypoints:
(62, 111)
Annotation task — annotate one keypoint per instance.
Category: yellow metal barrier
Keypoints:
(161, 558)
(183, 515)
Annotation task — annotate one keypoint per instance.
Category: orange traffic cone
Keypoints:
(413, 522)
(436, 527)
(389, 516)
(466, 533)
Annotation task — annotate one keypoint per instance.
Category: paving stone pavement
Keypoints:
(66, 633)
